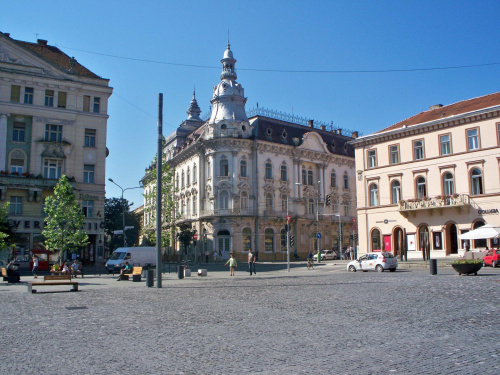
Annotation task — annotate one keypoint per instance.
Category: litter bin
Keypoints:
(180, 271)
(433, 266)
(149, 278)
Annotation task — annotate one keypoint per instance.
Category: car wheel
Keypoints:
(392, 269)
(484, 264)
(493, 264)
(352, 269)
(379, 268)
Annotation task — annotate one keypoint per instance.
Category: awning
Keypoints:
(484, 232)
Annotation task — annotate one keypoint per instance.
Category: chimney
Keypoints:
(435, 106)
(339, 131)
(41, 42)
(354, 135)
(310, 123)
(323, 127)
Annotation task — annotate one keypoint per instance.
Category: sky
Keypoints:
(359, 65)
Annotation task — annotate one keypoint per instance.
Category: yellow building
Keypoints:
(430, 178)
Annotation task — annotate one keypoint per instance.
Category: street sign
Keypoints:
(354, 220)
(288, 218)
(195, 236)
(354, 227)
(318, 235)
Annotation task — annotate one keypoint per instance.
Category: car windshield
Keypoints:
(388, 255)
(498, 252)
(117, 256)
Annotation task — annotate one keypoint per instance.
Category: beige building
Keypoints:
(53, 121)
(430, 178)
(238, 175)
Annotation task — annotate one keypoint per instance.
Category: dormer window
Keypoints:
(269, 131)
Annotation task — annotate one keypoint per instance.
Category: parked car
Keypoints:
(374, 262)
(326, 255)
(492, 258)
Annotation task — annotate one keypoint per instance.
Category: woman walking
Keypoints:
(232, 265)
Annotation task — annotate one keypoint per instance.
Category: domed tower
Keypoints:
(228, 117)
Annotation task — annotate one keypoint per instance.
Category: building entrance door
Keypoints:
(453, 240)
(387, 243)
(398, 242)
(223, 244)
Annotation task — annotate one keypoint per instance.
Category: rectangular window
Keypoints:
(16, 205)
(89, 138)
(283, 173)
(97, 104)
(61, 99)
(28, 95)
(372, 158)
(17, 165)
(444, 144)
(394, 154)
(53, 133)
(18, 132)
(418, 150)
(88, 208)
(310, 178)
(472, 139)
(52, 168)
(15, 93)
(347, 210)
(86, 103)
(49, 98)
(88, 174)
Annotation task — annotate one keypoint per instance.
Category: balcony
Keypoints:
(437, 203)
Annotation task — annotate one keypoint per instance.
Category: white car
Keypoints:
(325, 255)
(374, 262)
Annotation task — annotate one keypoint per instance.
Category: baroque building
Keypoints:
(427, 179)
(238, 176)
(53, 121)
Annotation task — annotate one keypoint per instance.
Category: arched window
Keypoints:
(310, 206)
(346, 180)
(188, 207)
(269, 240)
(284, 203)
(269, 202)
(269, 170)
(244, 201)
(375, 240)
(284, 175)
(194, 205)
(247, 239)
(304, 176)
(224, 167)
(421, 188)
(182, 180)
(333, 179)
(177, 181)
(194, 174)
(476, 178)
(310, 179)
(395, 191)
(373, 195)
(209, 169)
(224, 200)
(448, 185)
(243, 168)
(188, 177)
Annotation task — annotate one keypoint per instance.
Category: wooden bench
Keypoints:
(11, 278)
(53, 280)
(136, 274)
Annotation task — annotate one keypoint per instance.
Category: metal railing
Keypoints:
(456, 200)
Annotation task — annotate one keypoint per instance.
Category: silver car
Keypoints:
(374, 262)
(325, 255)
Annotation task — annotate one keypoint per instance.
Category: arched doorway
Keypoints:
(423, 241)
(451, 239)
(398, 241)
(375, 240)
(223, 243)
(482, 242)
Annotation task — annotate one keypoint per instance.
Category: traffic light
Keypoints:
(328, 200)
(283, 234)
(355, 239)
(292, 240)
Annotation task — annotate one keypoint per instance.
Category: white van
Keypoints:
(136, 256)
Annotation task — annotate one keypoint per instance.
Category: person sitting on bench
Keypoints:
(13, 273)
(126, 270)
(56, 268)
(77, 268)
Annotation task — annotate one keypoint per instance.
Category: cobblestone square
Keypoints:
(325, 321)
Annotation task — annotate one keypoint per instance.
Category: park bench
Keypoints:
(136, 274)
(53, 280)
(9, 279)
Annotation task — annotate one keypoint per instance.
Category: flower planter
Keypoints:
(467, 269)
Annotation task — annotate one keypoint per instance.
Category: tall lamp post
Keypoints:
(123, 209)
(340, 235)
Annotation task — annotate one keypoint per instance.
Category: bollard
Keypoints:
(433, 266)
(180, 271)
(149, 278)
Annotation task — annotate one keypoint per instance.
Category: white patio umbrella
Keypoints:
(484, 232)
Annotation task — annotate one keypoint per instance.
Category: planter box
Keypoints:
(467, 269)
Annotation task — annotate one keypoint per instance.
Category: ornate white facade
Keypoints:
(237, 178)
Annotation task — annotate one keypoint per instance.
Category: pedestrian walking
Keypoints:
(319, 256)
(35, 266)
(232, 265)
(251, 262)
(310, 260)
(215, 256)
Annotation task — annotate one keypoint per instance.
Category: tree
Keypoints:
(6, 229)
(113, 220)
(63, 229)
(167, 200)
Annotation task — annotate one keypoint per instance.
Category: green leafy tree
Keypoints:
(63, 230)
(167, 200)
(113, 220)
(6, 230)
(185, 238)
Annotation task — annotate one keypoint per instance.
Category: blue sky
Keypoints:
(266, 35)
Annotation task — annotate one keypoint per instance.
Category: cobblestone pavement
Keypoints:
(322, 321)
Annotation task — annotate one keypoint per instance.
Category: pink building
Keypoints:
(429, 178)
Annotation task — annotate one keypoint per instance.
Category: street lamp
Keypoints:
(123, 210)
(340, 235)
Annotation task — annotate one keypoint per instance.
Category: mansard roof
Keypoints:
(56, 57)
(438, 112)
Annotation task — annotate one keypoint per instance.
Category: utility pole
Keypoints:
(159, 162)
